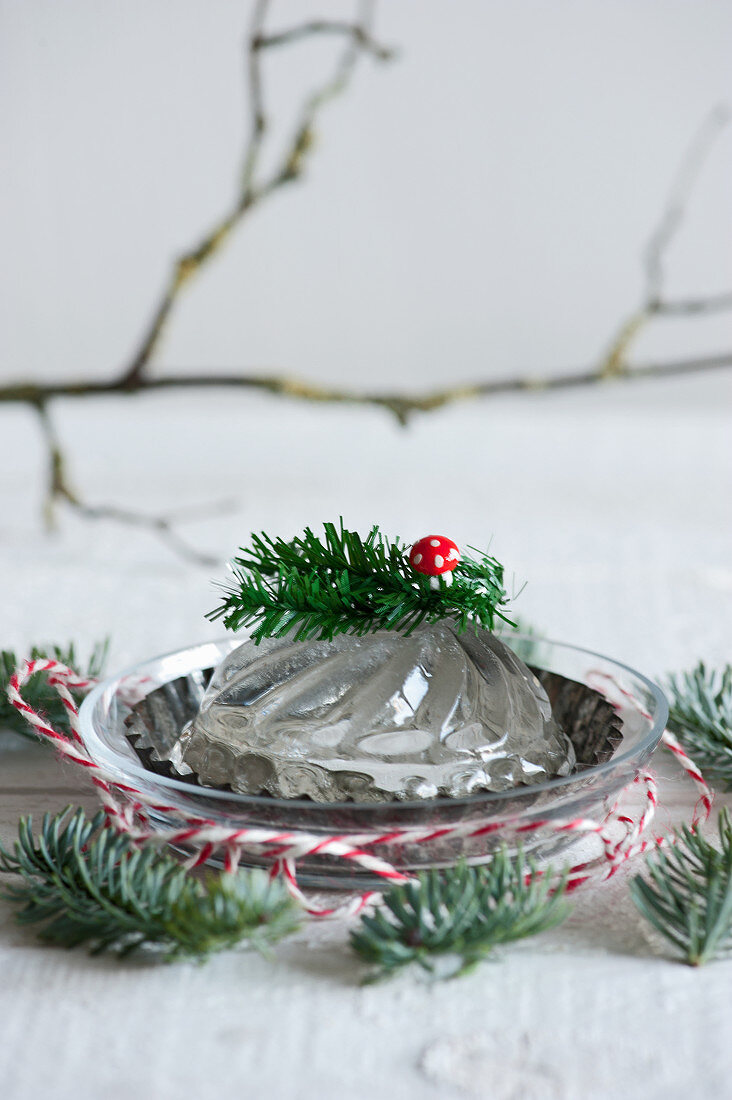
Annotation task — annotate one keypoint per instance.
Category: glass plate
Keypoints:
(639, 703)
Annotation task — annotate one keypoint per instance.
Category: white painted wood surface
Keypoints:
(615, 506)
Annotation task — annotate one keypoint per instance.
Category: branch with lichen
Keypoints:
(253, 191)
(255, 188)
(653, 303)
(403, 405)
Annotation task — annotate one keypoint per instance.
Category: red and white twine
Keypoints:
(622, 836)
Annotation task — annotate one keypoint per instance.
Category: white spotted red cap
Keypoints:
(435, 556)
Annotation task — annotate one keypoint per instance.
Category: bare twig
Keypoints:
(653, 304)
(58, 490)
(161, 526)
(678, 199)
(253, 190)
(252, 193)
(613, 365)
(57, 484)
(402, 405)
(687, 307)
(258, 120)
(329, 26)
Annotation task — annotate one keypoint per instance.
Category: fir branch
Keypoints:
(701, 717)
(83, 883)
(37, 692)
(688, 895)
(463, 911)
(343, 584)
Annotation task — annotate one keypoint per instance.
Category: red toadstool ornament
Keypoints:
(435, 556)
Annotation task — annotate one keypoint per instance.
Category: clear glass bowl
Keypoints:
(640, 704)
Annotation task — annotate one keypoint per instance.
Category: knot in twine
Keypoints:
(622, 835)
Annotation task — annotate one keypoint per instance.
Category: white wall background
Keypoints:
(476, 209)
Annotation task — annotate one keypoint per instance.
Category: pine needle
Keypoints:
(37, 692)
(84, 883)
(345, 584)
(701, 718)
(463, 911)
(687, 896)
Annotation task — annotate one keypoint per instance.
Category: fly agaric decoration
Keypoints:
(436, 557)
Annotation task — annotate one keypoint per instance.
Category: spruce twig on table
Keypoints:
(701, 717)
(82, 883)
(37, 691)
(343, 583)
(687, 896)
(463, 911)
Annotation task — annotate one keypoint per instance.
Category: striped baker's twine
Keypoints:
(126, 809)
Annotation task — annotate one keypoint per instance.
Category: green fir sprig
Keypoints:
(687, 896)
(37, 692)
(465, 912)
(83, 883)
(701, 717)
(345, 584)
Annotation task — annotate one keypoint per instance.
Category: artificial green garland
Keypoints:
(345, 584)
